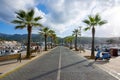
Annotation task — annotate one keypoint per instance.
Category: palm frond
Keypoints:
(37, 24)
(17, 22)
(37, 18)
(29, 15)
(26, 18)
(21, 13)
(46, 29)
(102, 22)
(20, 18)
(20, 27)
(87, 28)
(91, 19)
(86, 21)
(97, 18)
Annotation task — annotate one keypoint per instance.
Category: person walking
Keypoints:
(98, 54)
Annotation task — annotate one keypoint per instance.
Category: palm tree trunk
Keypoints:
(76, 42)
(51, 43)
(71, 45)
(54, 43)
(29, 29)
(93, 38)
(45, 42)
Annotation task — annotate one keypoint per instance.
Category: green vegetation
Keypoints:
(76, 33)
(55, 39)
(45, 33)
(27, 20)
(52, 35)
(69, 40)
(91, 22)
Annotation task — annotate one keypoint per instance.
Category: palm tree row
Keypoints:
(91, 22)
(52, 36)
(27, 19)
(48, 32)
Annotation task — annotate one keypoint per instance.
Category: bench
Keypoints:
(11, 57)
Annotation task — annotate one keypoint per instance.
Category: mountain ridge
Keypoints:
(40, 38)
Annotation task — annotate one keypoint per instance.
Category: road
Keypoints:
(59, 64)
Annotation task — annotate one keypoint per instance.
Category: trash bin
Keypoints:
(114, 52)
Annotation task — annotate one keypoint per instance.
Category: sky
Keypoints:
(63, 16)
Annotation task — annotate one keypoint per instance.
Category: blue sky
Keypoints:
(9, 29)
(63, 15)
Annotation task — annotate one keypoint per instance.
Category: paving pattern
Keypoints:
(51, 67)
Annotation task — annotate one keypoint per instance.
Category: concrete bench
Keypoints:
(11, 57)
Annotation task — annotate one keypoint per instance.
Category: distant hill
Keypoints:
(21, 37)
(98, 40)
(40, 38)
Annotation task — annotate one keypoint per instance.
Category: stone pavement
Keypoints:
(112, 66)
(7, 67)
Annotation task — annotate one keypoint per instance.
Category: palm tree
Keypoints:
(76, 32)
(45, 32)
(54, 37)
(93, 21)
(66, 41)
(69, 39)
(51, 34)
(27, 20)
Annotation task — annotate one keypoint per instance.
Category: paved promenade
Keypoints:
(112, 67)
(9, 66)
(59, 64)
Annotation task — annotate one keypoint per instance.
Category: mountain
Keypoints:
(40, 38)
(21, 37)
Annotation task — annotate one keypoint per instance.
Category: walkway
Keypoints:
(59, 64)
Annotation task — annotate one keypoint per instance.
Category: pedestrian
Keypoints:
(98, 54)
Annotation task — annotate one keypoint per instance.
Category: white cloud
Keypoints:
(65, 15)
(8, 7)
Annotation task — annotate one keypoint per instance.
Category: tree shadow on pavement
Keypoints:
(55, 70)
(90, 64)
(101, 62)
